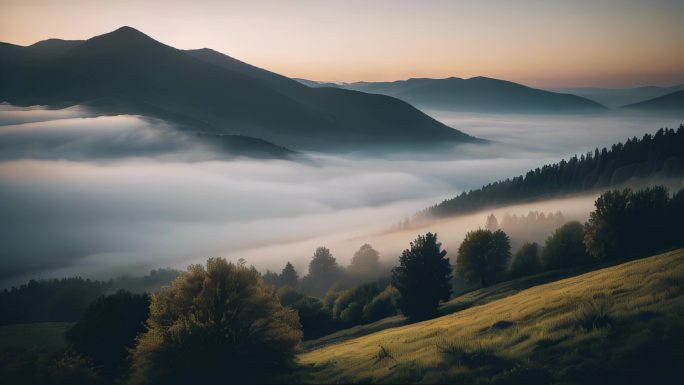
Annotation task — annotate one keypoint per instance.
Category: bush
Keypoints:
(349, 305)
(565, 247)
(382, 305)
(108, 329)
(215, 324)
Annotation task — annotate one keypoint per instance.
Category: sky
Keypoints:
(547, 44)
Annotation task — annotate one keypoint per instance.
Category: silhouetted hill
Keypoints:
(478, 94)
(618, 97)
(670, 103)
(54, 46)
(126, 71)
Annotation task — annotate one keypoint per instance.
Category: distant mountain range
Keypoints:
(478, 94)
(670, 103)
(126, 71)
(619, 97)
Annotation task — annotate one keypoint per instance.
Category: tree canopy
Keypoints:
(324, 272)
(215, 323)
(108, 328)
(365, 264)
(422, 277)
(564, 248)
(660, 154)
(526, 260)
(483, 255)
(624, 219)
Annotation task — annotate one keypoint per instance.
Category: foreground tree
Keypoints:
(108, 328)
(215, 324)
(422, 277)
(565, 247)
(483, 255)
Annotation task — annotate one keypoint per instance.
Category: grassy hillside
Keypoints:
(621, 324)
(47, 336)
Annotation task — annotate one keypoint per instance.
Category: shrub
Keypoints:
(382, 305)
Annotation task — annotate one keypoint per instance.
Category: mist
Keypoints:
(110, 195)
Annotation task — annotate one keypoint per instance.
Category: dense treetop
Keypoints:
(652, 155)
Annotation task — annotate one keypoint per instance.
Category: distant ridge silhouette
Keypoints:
(126, 71)
(670, 103)
(477, 94)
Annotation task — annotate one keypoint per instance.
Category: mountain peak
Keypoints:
(121, 39)
(126, 35)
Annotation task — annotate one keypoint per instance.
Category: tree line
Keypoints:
(65, 299)
(222, 321)
(652, 155)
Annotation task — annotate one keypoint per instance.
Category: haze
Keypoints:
(102, 196)
(609, 43)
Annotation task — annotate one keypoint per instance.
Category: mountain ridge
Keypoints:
(476, 94)
(128, 70)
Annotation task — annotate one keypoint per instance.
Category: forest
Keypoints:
(652, 156)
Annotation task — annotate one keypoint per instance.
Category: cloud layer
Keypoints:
(110, 195)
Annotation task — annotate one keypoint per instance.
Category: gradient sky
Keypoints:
(610, 43)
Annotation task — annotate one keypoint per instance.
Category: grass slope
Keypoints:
(622, 324)
(41, 335)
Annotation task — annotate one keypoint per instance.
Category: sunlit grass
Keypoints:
(564, 324)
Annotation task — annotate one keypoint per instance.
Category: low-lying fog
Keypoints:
(104, 196)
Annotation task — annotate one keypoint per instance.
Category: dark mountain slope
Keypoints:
(670, 103)
(54, 46)
(478, 94)
(618, 97)
(126, 71)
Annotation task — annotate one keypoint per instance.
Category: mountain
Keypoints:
(478, 94)
(126, 71)
(670, 103)
(618, 97)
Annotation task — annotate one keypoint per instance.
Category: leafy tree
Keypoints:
(565, 247)
(215, 324)
(365, 264)
(108, 329)
(422, 277)
(289, 276)
(324, 272)
(526, 261)
(623, 219)
(483, 255)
